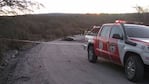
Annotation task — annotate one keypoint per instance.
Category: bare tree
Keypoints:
(141, 9)
(142, 13)
(18, 6)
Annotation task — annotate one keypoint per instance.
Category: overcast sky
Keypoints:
(91, 6)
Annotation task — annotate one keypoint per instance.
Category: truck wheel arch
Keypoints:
(127, 54)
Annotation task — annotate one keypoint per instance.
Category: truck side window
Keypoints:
(116, 30)
(105, 31)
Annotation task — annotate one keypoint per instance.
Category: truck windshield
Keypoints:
(137, 31)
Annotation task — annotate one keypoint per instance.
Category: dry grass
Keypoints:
(53, 26)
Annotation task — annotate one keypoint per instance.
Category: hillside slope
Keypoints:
(52, 26)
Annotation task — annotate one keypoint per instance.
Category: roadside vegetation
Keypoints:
(52, 26)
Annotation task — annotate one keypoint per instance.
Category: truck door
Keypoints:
(103, 41)
(115, 40)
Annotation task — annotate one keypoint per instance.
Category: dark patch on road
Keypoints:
(67, 39)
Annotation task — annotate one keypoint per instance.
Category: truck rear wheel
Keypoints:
(134, 68)
(91, 55)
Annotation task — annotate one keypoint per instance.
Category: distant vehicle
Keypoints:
(122, 43)
(89, 35)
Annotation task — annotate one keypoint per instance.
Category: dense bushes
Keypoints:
(52, 26)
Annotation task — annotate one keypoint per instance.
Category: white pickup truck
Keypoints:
(123, 43)
(89, 35)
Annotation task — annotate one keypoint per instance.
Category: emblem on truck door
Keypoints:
(112, 48)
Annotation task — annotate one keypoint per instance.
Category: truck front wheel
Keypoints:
(134, 68)
(91, 54)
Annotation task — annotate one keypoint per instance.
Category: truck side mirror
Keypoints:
(117, 36)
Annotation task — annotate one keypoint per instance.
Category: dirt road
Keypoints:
(61, 62)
